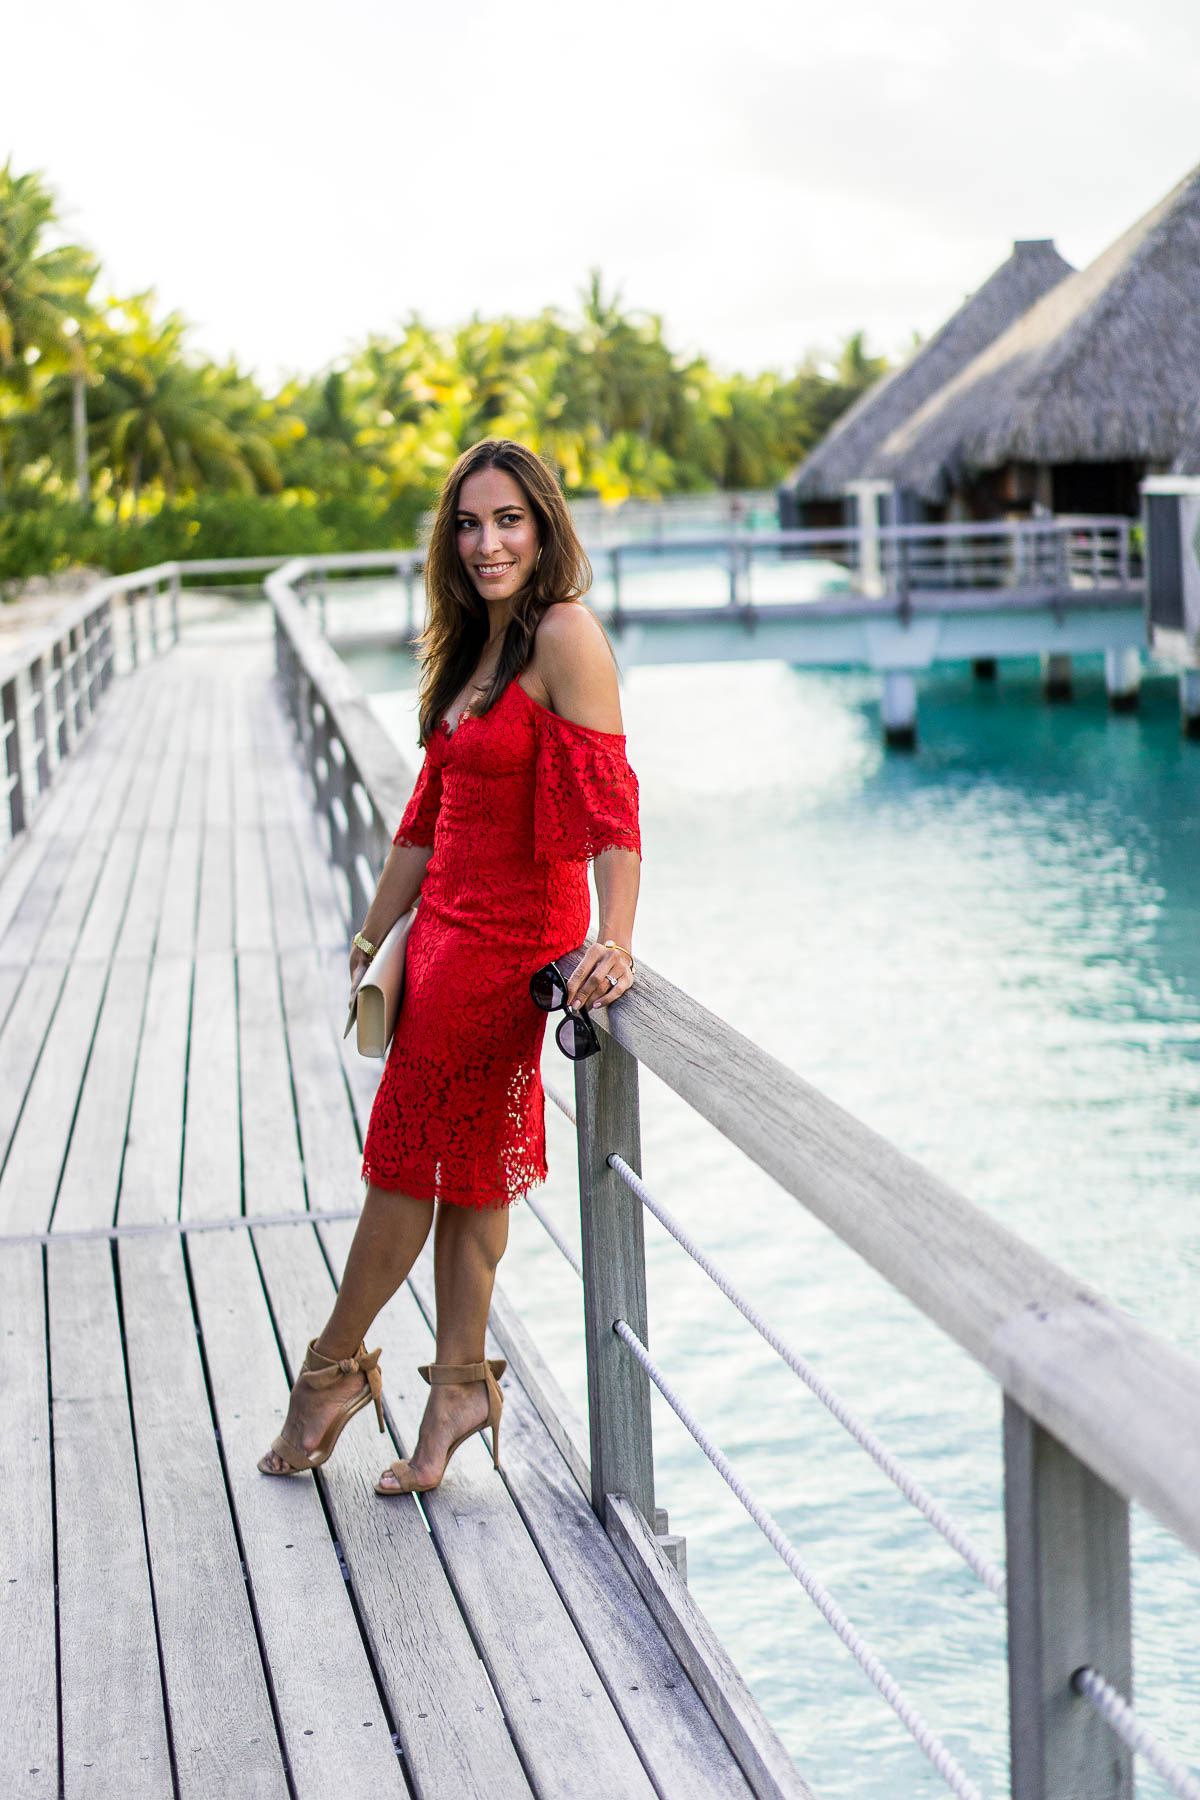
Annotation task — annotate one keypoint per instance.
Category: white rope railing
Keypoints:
(555, 1236)
(1121, 1719)
(943, 1761)
(893, 1468)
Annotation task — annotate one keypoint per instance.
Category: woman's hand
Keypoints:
(360, 962)
(602, 976)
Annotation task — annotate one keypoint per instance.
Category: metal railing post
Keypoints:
(614, 1279)
(1068, 1605)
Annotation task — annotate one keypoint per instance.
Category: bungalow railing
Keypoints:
(1097, 1411)
(1058, 560)
(53, 682)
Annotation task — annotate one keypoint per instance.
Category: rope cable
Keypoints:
(892, 1467)
(1121, 1719)
(941, 1758)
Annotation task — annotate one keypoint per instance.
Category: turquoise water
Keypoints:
(989, 951)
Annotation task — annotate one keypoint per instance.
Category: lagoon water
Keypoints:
(990, 952)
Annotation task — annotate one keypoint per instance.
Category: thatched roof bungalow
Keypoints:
(814, 492)
(1096, 386)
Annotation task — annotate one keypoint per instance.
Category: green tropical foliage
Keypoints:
(175, 455)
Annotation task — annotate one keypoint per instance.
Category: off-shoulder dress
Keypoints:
(514, 802)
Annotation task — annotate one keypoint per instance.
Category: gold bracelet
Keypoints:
(609, 945)
(365, 945)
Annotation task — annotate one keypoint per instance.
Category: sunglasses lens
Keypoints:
(547, 991)
(577, 1038)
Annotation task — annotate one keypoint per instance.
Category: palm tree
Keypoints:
(42, 290)
(160, 417)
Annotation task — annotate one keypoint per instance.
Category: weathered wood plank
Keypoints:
(39, 1144)
(1120, 1399)
(251, 889)
(678, 1742)
(139, 927)
(558, 1712)
(222, 1731)
(328, 1138)
(289, 899)
(29, 1742)
(91, 1176)
(449, 1722)
(177, 922)
(768, 1768)
(27, 920)
(566, 1429)
(1068, 1605)
(212, 1152)
(336, 1733)
(613, 1243)
(272, 1172)
(153, 1152)
(21, 1042)
(10, 982)
(114, 1732)
(106, 910)
(214, 913)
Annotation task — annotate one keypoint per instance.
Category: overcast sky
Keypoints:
(766, 175)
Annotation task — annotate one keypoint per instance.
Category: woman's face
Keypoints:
(497, 533)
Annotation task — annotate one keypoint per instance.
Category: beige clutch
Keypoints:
(375, 1002)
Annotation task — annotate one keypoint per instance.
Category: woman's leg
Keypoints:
(387, 1241)
(468, 1244)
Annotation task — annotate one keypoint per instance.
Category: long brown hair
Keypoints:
(456, 627)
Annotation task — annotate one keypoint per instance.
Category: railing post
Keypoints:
(10, 713)
(174, 604)
(1068, 1604)
(62, 717)
(41, 730)
(131, 615)
(614, 1278)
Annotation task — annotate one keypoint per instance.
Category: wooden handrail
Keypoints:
(1098, 1411)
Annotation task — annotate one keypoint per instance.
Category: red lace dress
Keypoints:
(514, 802)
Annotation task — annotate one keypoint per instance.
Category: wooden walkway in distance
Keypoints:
(172, 975)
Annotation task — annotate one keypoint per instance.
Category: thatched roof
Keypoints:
(1104, 368)
(842, 455)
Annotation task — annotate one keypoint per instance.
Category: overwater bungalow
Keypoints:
(1094, 388)
(815, 494)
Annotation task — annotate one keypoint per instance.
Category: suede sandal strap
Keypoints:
(452, 1374)
(330, 1369)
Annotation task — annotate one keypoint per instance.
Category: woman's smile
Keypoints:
(497, 534)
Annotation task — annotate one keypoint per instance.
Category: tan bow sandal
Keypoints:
(459, 1375)
(316, 1372)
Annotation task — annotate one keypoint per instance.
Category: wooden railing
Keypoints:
(1098, 1412)
(53, 682)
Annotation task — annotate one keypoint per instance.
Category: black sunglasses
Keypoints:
(576, 1037)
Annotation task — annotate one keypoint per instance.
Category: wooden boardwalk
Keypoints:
(172, 966)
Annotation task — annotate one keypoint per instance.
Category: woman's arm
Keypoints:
(573, 665)
(399, 885)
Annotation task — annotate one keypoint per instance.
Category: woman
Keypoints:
(524, 781)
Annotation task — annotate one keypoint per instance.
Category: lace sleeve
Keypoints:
(586, 799)
(420, 815)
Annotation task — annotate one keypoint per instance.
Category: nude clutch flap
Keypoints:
(375, 1002)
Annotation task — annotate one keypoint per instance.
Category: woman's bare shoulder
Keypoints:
(573, 664)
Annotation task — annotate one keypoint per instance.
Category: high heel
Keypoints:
(460, 1375)
(317, 1372)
